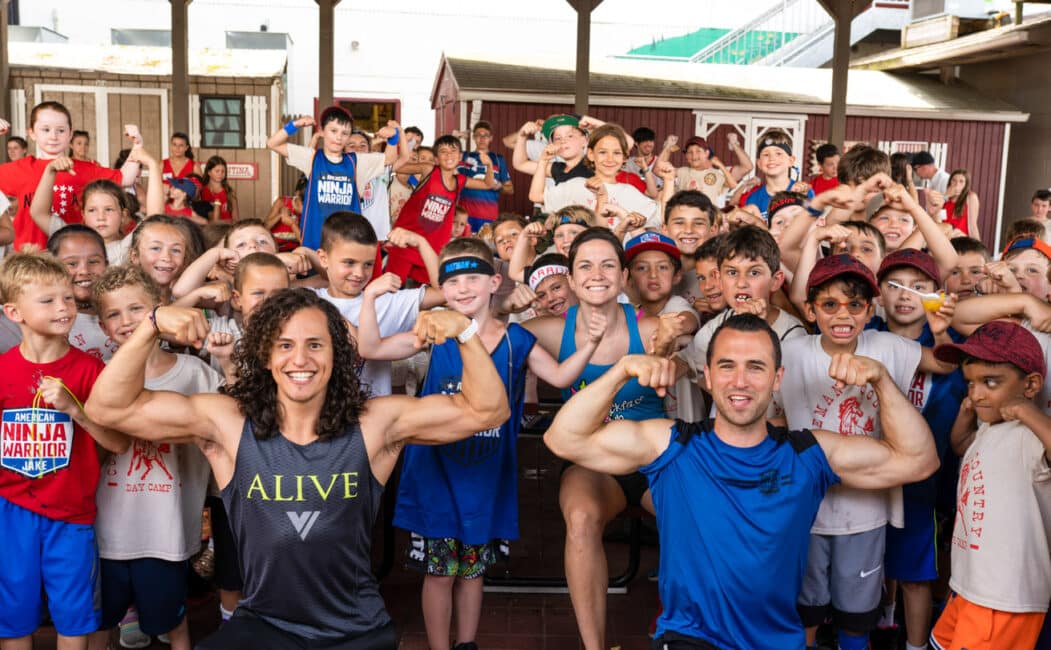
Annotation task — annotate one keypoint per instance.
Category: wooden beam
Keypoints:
(5, 72)
(583, 78)
(837, 122)
(855, 7)
(326, 52)
(180, 66)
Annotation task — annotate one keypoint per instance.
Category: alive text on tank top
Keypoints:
(302, 518)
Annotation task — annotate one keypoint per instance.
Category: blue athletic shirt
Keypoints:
(467, 490)
(482, 204)
(332, 187)
(760, 198)
(633, 401)
(735, 523)
(938, 397)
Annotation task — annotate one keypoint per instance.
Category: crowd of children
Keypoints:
(628, 255)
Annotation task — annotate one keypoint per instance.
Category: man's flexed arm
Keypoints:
(620, 446)
(906, 453)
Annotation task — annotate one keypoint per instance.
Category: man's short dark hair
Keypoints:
(1043, 195)
(643, 134)
(416, 130)
(746, 323)
(691, 199)
(483, 124)
(751, 242)
(347, 226)
(19, 139)
(336, 114)
(826, 151)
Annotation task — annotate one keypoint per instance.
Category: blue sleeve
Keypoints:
(667, 456)
(505, 174)
(817, 463)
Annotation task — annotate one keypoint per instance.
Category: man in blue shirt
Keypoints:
(735, 497)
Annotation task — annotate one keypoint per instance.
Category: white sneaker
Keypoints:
(132, 637)
(163, 638)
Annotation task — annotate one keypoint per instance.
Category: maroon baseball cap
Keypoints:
(998, 341)
(917, 259)
(699, 141)
(837, 265)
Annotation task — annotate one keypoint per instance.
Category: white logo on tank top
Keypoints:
(303, 521)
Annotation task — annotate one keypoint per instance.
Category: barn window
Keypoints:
(223, 122)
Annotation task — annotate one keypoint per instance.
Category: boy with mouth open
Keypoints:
(845, 562)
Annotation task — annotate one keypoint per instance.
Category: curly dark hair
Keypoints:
(255, 389)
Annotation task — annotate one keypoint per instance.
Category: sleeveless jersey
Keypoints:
(429, 212)
(960, 222)
(221, 196)
(633, 401)
(169, 171)
(332, 188)
(728, 516)
(302, 517)
(467, 490)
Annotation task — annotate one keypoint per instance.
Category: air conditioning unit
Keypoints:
(924, 9)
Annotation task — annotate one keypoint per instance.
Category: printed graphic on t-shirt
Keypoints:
(477, 448)
(335, 189)
(147, 472)
(64, 199)
(970, 506)
(434, 211)
(617, 409)
(108, 349)
(35, 442)
(920, 390)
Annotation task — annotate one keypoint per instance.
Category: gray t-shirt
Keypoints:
(150, 497)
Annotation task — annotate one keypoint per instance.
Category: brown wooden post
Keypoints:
(326, 52)
(180, 66)
(583, 80)
(5, 74)
(842, 12)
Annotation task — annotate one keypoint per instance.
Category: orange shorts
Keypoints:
(966, 626)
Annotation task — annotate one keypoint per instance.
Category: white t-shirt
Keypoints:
(227, 325)
(150, 497)
(395, 312)
(575, 192)
(710, 181)
(375, 203)
(685, 401)
(87, 336)
(1001, 555)
(812, 401)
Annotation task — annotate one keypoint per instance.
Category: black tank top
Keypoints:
(560, 175)
(302, 520)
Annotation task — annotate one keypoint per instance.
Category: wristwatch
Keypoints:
(468, 332)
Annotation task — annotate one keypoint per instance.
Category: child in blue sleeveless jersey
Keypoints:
(459, 498)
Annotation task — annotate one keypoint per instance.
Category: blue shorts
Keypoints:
(477, 224)
(60, 556)
(156, 587)
(911, 555)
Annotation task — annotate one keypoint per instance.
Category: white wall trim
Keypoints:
(1003, 186)
(194, 121)
(18, 113)
(275, 117)
(101, 94)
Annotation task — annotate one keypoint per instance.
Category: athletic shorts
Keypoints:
(246, 631)
(156, 587)
(911, 555)
(59, 556)
(633, 485)
(227, 566)
(964, 625)
(844, 573)
(448, 557)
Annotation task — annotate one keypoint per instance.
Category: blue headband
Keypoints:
(770, 143)
(462, 266)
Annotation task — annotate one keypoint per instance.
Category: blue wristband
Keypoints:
(393, 140)
(291, 128)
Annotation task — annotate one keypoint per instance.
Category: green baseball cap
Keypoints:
(555, 121)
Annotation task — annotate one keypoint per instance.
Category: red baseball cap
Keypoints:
(998, 341)
(651, 241)
(917, 259)
(836, 265)
(699, 141)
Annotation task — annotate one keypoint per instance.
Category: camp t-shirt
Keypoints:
(1001, 558)
(51, 469)
(88, 336)
(710, 181)
(575, 192)
(19, 179)
(395, 312)
(149, 498)
(812, 400)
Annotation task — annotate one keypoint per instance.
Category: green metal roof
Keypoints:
(743, 50)
(680, 47)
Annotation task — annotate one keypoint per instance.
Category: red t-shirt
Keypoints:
(20, 178)
(632, 179)
(429, 211)
(184, 211)
(821, 184)
(282, 232)
(220, 196)
(169, 171)
(53, 471)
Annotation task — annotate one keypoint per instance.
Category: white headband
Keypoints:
(546, 271)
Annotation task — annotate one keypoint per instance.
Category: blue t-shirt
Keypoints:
(332, 187)
(760, 198)
(633, 401)
(467, 490)
(938, 398)
(735, 526)
(482, 204)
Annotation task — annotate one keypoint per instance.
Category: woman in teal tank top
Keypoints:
(589, 500)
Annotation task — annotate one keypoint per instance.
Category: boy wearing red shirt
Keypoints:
(828, 161)
(49, 468)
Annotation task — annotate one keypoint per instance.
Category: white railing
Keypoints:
(766, 33)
